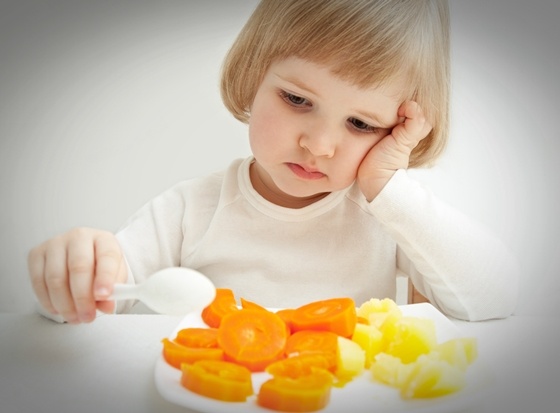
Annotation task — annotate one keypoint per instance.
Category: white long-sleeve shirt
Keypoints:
(339, 246)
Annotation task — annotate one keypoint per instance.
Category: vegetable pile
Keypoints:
(306, 351)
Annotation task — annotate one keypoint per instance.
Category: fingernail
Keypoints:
(101, 292)
(86, 317)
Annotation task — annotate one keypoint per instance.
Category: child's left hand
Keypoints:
(393, 151)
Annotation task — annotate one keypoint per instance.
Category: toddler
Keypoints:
(341, 97)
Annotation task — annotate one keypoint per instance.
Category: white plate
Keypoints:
(360, 395)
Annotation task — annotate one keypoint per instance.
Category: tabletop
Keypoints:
(108, 365)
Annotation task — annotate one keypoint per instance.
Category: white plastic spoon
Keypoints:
(172, 291)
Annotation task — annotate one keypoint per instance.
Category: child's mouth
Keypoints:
(305, 173)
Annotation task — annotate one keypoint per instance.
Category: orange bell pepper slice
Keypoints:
(220, 380)
(336, 314)
(223, 303)
(307, 393)
(176, 354)
(252, 338)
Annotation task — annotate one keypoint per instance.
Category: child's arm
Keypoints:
(462, 268)
(73, 273)
(457, 263)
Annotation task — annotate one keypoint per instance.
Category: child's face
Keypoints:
(310, 130)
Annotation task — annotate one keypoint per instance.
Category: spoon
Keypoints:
(171, 291)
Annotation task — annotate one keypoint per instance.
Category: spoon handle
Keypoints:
(125, 292)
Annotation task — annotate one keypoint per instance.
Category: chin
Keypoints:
(304, 192)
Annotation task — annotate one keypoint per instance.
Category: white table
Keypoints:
(108, 366)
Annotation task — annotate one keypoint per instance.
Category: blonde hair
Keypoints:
(366, 42)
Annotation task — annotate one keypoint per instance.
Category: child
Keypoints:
(341, 97)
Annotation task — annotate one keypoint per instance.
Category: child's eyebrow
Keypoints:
(380, 123)
(298, 83)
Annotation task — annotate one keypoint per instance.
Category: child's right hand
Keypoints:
(73, 274)
(393, 151)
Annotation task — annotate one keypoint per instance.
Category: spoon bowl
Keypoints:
(171, 291)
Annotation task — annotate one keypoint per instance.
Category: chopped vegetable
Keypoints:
(304, 394)
(176, 354)
(336, 314)
(390, 370)
(286, 314)
(409, 337)
(314, 342)
(433, 374)
(223, 303)
(431, 378)
(362, 320)
(250, 304)
(460, 352)
(351, 359)
(298, 366)
(377, 311)
(219, 380)
(370, 339)
(252, 338)
(198, 337)
(310, 349)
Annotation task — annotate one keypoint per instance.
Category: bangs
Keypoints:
(363, 42)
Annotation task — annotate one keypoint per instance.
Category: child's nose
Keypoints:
(319, 142)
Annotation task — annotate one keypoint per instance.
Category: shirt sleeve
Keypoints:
(151, 239)
(459, 265)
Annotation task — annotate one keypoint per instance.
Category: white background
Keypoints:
(105, 104)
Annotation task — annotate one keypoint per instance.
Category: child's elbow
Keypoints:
(499, 299)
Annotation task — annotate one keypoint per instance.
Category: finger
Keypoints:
(56, 280)
(415, 126)
(36, 268)
(410, 109)
(107, 307)
(415, 120)
(81, 264)
(108, 269)
(122, 275)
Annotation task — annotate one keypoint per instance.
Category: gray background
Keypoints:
(104, 104)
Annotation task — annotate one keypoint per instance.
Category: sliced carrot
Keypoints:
(305, 394)
(286, 315)
(223, 303)
(219, 380)
(314, 342)
(246, 304)
(176, 354)
(336, 314)
(252, 338)
(311, 341)
(250, 304)
(300, 365)
(198, 337)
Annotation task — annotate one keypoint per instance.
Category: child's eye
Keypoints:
(294, 100)
(362, 126)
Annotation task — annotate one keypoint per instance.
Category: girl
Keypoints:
(341, 97)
